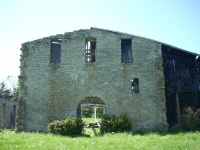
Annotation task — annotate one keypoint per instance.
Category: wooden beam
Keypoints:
(178, 109)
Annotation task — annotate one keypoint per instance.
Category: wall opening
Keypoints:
(135, 85)
(55, 51)
(4, 115)
(91, 107)
(13, 116)
(126, 51)
(90, 50)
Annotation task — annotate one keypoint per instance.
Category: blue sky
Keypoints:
(175, 22)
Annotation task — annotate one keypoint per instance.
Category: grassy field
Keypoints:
(9, 140)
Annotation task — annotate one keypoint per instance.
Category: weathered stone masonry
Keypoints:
(51, 90)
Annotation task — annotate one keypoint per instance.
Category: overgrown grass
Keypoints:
(9, 140)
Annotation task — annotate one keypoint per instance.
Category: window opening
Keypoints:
(4, 115)
(55, 51)
(90, 48)
(126, 51)
(135, 85)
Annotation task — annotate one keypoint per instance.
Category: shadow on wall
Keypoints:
(7, 113)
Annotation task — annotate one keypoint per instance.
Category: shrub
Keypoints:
(115, 124)
(190, 120)
(69, 126)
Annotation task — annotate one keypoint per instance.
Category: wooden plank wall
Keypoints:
(182, 78)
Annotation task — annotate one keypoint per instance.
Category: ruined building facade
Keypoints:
(122, 72)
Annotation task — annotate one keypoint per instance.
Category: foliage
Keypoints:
(15, 94)
(99, 112)
(70, 126)
(9, 88)
(4, 91)
(88, 112)
(1, 89)
(115, 124)
(190, 120)
(9, 140)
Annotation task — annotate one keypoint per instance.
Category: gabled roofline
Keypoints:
(116, 32)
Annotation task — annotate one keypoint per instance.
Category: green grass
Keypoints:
(90, 120)
(9, 140)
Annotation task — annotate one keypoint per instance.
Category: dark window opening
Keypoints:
(4, 115)
(90, 48)
(126, 51)
(55, 51)
(135, 85)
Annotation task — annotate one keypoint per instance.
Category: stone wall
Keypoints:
(7, 113)
(51, 91)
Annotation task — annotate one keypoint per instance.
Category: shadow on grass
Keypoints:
(79, 136)
(87, 133)
(161, 132)
(95, 132)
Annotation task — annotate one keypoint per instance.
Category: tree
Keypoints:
(9, 88)
(15, 94)
(1, 89)
(5, 92)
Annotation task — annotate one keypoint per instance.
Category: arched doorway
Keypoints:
(93, 103)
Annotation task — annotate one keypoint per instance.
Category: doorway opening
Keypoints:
(91, 110)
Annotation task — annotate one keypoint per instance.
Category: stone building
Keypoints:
(124, 73)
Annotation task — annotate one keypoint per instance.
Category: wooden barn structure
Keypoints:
(182, 82)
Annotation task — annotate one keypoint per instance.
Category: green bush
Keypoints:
(73, 126)
(115, 124)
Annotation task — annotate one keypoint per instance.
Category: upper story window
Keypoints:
(126, 51)
(55, 51)
(135, 85)
(90, 49)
